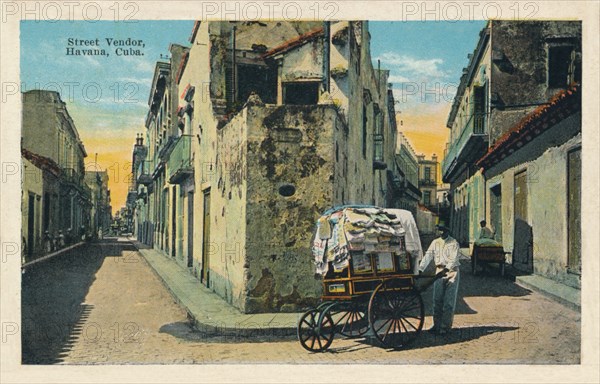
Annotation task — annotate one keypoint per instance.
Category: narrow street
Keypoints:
(102, 304)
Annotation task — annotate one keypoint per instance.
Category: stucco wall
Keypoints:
(547, 198)
(286, 144)
(228, 212)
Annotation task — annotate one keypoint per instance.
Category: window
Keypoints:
(479, 109)
(427, 173)
(427, 197)
(378, 137)
(301, 93)
(364, 132)
(564, 65)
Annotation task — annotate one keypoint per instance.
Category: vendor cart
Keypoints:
(488, 253)
(371, 287)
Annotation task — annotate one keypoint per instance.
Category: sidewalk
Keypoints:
(209, 312)
(568, 296)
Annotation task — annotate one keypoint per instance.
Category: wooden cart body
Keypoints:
(488, 254)
(353, 283)
(374, 291)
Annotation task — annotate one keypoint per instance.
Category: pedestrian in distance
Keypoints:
(485, 232)
(444, 251)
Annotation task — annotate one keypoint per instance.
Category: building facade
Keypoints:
(406, 183)
(101, 210)
(264, 127)
(63, 204)
(428, 176)
(515, 72)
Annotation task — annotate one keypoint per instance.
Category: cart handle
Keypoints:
(433, 278)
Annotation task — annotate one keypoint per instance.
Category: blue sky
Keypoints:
(425, 60)
(107, 96)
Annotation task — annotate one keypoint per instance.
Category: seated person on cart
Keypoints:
(445, 252)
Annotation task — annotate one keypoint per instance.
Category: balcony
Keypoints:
(428, 182)
(470, 145)
(179, 165)
(144, 172)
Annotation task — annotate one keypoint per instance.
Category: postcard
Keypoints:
(178, 177)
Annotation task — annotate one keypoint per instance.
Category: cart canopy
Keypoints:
(359, 229)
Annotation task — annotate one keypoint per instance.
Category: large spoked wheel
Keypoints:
(350, 321)
(396, 316)
(313, 336)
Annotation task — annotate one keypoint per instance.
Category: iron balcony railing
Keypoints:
(475, 127)
(179, 165)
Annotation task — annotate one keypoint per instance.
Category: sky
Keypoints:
(425, 60)
(107, 96)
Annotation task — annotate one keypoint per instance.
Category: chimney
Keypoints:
(139, 140)
(434, 158)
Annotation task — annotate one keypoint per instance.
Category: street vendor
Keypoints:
(445, 252)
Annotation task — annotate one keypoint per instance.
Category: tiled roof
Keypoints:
(295, 42)
(561, 105)
(41, 162)
(182, 65)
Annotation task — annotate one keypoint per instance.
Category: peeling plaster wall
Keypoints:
(520, 77)
(545, 160)
(286, 144)
(259, 257)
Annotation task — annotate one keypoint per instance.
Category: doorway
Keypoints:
(204, 273)
(523, 239)
(496, 211)
(574, 211)
(190, 237)
(174, 221)
(30, 224)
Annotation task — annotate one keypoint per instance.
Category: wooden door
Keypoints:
(190, 236)
(523, 239)
(574, 211)
(204, 276)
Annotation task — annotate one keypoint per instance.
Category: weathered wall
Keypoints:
(363, 184)
(304, 62)
(524, 63)
(286, 145)
(545, 160)
(228, 211)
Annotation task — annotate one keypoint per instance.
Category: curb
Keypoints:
(548, 294)
(230, 326)
(51, 255)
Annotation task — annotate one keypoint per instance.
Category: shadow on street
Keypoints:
(53, 308)
(426, 340)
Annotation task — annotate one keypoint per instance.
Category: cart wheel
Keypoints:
(396, 316)
(352, 321)
(311, 337)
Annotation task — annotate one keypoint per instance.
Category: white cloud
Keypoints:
(412, 68)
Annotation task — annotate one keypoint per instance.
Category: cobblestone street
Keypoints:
(102, 304)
